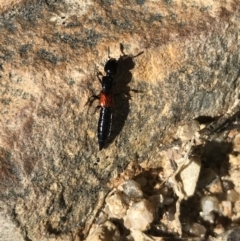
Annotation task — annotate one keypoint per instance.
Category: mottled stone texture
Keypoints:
(52, 176)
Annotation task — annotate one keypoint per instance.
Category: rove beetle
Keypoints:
(106, 97)
(106, 102)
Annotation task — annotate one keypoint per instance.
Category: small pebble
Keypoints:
(197, 230)
(216, 186)
(232, 195)
(189, 176)
(209, 204)
(139, 216)
(226, 208)
(132, 189)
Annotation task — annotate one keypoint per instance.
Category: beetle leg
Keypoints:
(92, 99)
(97, 108)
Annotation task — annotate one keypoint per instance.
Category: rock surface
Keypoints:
(53, 179)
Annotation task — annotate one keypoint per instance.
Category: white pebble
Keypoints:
(139, 216)
(209, 204)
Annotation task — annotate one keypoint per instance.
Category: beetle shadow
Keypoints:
(121, 90)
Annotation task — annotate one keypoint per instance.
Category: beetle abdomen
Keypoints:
(104, 125)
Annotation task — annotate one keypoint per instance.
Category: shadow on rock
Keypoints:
(122, 95)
